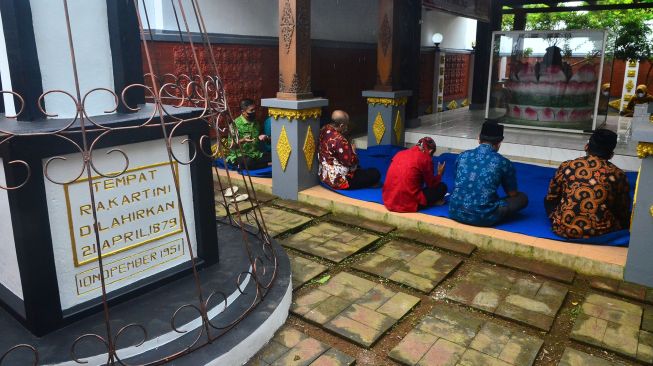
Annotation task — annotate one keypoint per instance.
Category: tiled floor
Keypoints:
(409, 265)
(615, 325)
(292, 347)
(354, 308)
(510, 295)
(459, 129)
(341, 315)
(330, 241)
(450, 337)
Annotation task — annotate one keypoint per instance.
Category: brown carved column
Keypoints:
(295, 111)
(385, 52)
(294, 49)
(395, 81)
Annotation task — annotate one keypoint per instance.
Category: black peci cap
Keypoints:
(491, 131)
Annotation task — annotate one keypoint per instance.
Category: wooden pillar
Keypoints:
(482, 55)
(296, 112)
(394, 82)
(294, 49)
(386, 53)
(519, 23)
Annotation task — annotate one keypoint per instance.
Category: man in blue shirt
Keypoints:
(479, 173)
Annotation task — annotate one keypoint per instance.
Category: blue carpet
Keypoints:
(532, 180)
(260, 173)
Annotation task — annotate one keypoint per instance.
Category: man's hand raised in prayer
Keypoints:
(441, 167)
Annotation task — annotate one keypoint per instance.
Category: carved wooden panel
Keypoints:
(241, 70)
(456, 78)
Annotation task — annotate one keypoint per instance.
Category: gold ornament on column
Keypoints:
(283, 148)
(309, 148)
(630, 85)
(378, 127)
(644, 149)
(399, 126)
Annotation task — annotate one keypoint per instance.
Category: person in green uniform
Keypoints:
(245, 153)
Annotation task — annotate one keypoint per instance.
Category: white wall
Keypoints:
(345, 20)
(9, 273)
(10, 108)
(336, 20)
(92, 53)
(457, 32)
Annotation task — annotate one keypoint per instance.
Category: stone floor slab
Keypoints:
(376, 226)
(625, 289)
(451, 336)
(516, 297)
(543, 269)
(459, 247)
(572, 357)
(291, 347)
(329, 241)
(355, 308)
(243, 207)
(614, 325)
(304, 270)
(277, 221)
(409, 264)
(301, 207)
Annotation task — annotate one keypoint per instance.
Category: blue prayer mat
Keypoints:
(260, 173)
(531, 179)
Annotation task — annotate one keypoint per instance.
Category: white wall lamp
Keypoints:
(437, 39)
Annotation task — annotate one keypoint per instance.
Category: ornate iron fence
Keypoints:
(165, 94)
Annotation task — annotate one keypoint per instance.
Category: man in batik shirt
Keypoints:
(338, 163)
(589, 196)
(479, 173)
(246, 152)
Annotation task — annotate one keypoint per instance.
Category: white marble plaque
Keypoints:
(9, 273)
(139, 218)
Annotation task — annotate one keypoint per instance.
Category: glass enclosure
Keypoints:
(549, 79)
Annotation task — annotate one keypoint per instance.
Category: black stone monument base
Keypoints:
(40, 309)
(155, 310)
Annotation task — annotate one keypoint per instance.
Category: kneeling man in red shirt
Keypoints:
(410, 183)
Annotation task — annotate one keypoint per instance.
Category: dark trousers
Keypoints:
(254, 164)
(364, 178)
(433, 195)
(515, 204)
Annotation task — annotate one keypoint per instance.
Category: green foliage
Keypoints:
(631, 31)
(632, 40)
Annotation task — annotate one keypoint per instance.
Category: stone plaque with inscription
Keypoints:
(138, 215)
(49, 266)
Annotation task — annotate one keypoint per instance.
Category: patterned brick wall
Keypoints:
(456, 78)
(338, 74)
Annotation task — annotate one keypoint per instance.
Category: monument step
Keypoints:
(170, 316)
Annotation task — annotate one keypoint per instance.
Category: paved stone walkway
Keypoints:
(573, 357)
(370, 294)
(615, 325)
(292, 347)
(353, 307)
(278, 221)
(304, 270)
(452, 337)
(625, 289)
(329, 241)
(409, 264)
(513, 296)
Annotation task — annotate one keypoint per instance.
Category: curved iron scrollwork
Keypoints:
(84, 133)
